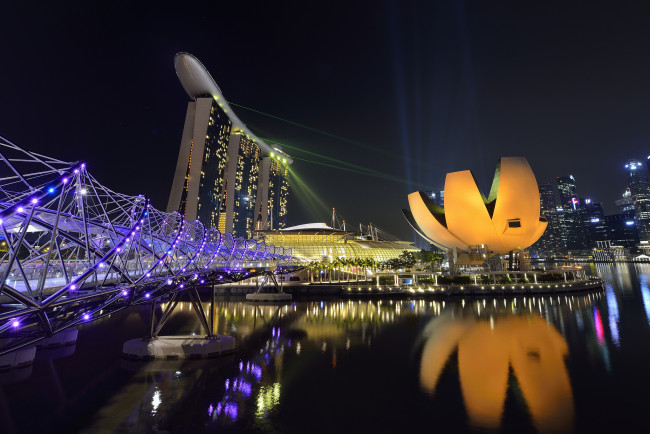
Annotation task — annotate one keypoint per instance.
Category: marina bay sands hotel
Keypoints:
(226, 177)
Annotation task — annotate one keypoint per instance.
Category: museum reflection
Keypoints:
(491, 345)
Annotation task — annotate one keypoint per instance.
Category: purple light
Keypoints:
(169, 281)
(65, 180)
(76, 171)
(20, 209)
(210, 410)
(35, 201)
(86, 316)
(83, 165)
(202, 281)
(181, 286)
(125, 292)
(118, 249)
(147, 295)
(231, 410)
(15, 323)
(73, 287)
(148, 274)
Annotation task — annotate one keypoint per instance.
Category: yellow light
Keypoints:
(272, 155)
(284, 160)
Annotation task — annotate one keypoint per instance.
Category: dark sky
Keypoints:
(418, 89)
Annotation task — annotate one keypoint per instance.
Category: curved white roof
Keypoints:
(310, 227)
(197, 81)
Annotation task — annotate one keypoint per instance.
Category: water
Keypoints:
(546, 364)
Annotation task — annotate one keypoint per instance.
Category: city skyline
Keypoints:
(442, 86)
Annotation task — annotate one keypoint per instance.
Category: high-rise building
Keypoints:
(621, 230)
(625, 203)
(569, 215)
(640, 190)
(241, 185)
(593, 222)
(219, 176)
(566, 187)
(272, 203)
(550, 244)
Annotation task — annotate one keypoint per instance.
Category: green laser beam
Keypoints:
(325, 133)
(382, 176)
(307, 196)
(325, 157)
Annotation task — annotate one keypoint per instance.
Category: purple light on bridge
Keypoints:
(125, 292)
(65, 180)
(73, 287)
(15, 324)
(147, 295)
(86, 316)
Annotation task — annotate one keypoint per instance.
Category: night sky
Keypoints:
(413, 90)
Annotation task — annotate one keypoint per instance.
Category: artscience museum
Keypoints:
(506, 221)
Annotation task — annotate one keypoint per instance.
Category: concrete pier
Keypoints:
(178, 347)
(65, 337)
(22, 357)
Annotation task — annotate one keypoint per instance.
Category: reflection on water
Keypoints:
(521, 364)
(488, 347)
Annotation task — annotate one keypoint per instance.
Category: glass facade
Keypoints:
(245, 191)
(566, 186)
(329, 245)
(278, 193)
(640, 190)
(211, 204)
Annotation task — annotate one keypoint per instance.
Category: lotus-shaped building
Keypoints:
(507, 220)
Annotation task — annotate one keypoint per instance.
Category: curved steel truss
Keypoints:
(72, 250)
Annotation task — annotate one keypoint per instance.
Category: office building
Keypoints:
(637, 177)
(550, 244)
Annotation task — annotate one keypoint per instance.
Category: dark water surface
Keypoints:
(547, 364)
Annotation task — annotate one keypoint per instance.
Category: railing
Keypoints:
(77, 251)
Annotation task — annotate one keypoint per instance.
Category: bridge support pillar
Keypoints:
(180, 347)
(260, 295)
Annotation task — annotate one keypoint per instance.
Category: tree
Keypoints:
(407, 259)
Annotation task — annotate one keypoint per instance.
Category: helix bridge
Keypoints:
(73, 251)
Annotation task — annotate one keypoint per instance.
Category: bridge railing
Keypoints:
(74, 250)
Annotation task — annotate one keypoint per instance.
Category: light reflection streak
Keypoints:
(598, 324)
(612, 313)
(645, 296)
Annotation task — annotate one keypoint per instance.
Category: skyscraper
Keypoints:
(566, 187)
(218, 173)
(272, 202)
(550, 244)
(637, 177)
(569, 216)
